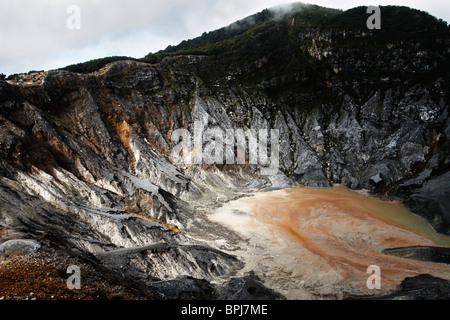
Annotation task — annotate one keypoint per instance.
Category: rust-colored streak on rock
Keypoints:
(124, 132)
(56, 144)
(169, 226)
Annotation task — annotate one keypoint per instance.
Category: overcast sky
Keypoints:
(44, 34)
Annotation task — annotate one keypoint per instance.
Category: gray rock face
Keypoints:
(19, 247)
(246, 289)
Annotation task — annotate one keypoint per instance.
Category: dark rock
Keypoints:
(423, 253)
(422, 287)
(117, 296)
(246, 289)
(432, 201)
(183, 288)
(376, 179)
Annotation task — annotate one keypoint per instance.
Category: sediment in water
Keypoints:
(309, 242)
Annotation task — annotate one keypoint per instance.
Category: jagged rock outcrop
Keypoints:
(422, 287)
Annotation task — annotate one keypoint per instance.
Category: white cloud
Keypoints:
(34, 34)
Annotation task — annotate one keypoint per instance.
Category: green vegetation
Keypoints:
(93, 65)
(267, 51)
(14, 76)
(245, 31)
(210, 42)
(2, 76)
(397, 21)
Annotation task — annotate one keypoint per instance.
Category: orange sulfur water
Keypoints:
(324, 239)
